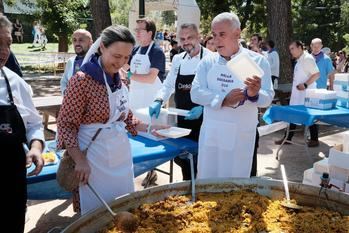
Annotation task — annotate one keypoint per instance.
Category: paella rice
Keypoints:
(238, 211)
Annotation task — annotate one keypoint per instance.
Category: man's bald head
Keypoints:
(82, 41)
(316, 46)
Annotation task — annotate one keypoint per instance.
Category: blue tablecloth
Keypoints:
(299, 114)
(147, 154)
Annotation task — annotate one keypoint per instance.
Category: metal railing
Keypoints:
(42, 60)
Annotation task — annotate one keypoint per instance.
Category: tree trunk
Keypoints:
(281, 32)
(101, 16)
(62, 43)
(2, 6)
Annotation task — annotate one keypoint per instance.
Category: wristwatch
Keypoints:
(305, 85)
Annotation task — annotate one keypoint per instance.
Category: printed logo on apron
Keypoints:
(141, 95)
(109, 156)
(227, 135)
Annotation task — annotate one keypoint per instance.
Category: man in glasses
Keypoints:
(146, 72)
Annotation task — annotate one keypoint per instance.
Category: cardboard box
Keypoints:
(307, 175)
(339, 173)
(342, 94)
(343, 102)
(308, 182)
(316, 181)
(321, 166)
(338, 158)
(346, 190)
(342, 80)
(340, 86)
(320, 99)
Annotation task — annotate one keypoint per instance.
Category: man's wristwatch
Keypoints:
(305, 85)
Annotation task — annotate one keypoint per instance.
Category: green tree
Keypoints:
(119, 11)
(318, 18)
(168, 17)
(250, 12)
(62, 17)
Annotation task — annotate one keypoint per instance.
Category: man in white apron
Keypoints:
(82, 41)
(147, 66)
(227, 136)
(147, 69)
(305, 75)
(179, 81)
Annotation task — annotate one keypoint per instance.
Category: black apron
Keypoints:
(183, 101)
(12, 137)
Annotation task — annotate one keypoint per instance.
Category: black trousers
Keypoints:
(273, 78)
(184, 163)
(314, 132)
(254, 161)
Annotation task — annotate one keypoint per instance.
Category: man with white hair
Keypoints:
(82, 41)
(324, 64)
(228, 132)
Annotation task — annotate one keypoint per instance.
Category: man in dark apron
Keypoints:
(179, 81)
(14, 91)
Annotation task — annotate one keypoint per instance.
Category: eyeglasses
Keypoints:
(140, 29)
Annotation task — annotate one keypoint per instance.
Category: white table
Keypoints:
(48, 105)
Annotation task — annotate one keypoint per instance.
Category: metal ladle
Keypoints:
(287, 203)
(124, 221)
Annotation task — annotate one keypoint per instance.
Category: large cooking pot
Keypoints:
(304, 194)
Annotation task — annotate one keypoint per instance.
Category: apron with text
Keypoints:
(299, 76)
(183, 101)
(109, 156)
(12, 137)
(227, 135)
(142, 94)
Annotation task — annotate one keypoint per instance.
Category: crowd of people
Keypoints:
(111, 78)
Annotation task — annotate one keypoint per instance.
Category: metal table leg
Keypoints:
(305, 145)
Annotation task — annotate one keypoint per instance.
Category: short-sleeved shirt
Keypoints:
(307, 62)
(325, 66)
(156, 56)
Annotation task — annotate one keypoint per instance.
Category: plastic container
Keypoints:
(174, 132)
(320, 99)
(243, 66)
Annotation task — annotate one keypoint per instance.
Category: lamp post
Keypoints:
(141, 8)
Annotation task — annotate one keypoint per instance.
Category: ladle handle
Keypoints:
(284, 178)
(101, 199)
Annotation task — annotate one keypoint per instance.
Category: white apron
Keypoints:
(227, 135)
(109, 156)
(142, 94)
(299, 76)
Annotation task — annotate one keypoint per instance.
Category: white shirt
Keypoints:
(274, 62)
(308, 64)
(202, 95)
(188, 66)
(22, 97)
(68, 73)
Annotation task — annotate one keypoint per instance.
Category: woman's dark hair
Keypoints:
(271, 43)
(116, 33)
(207, 39)
(298, 43)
